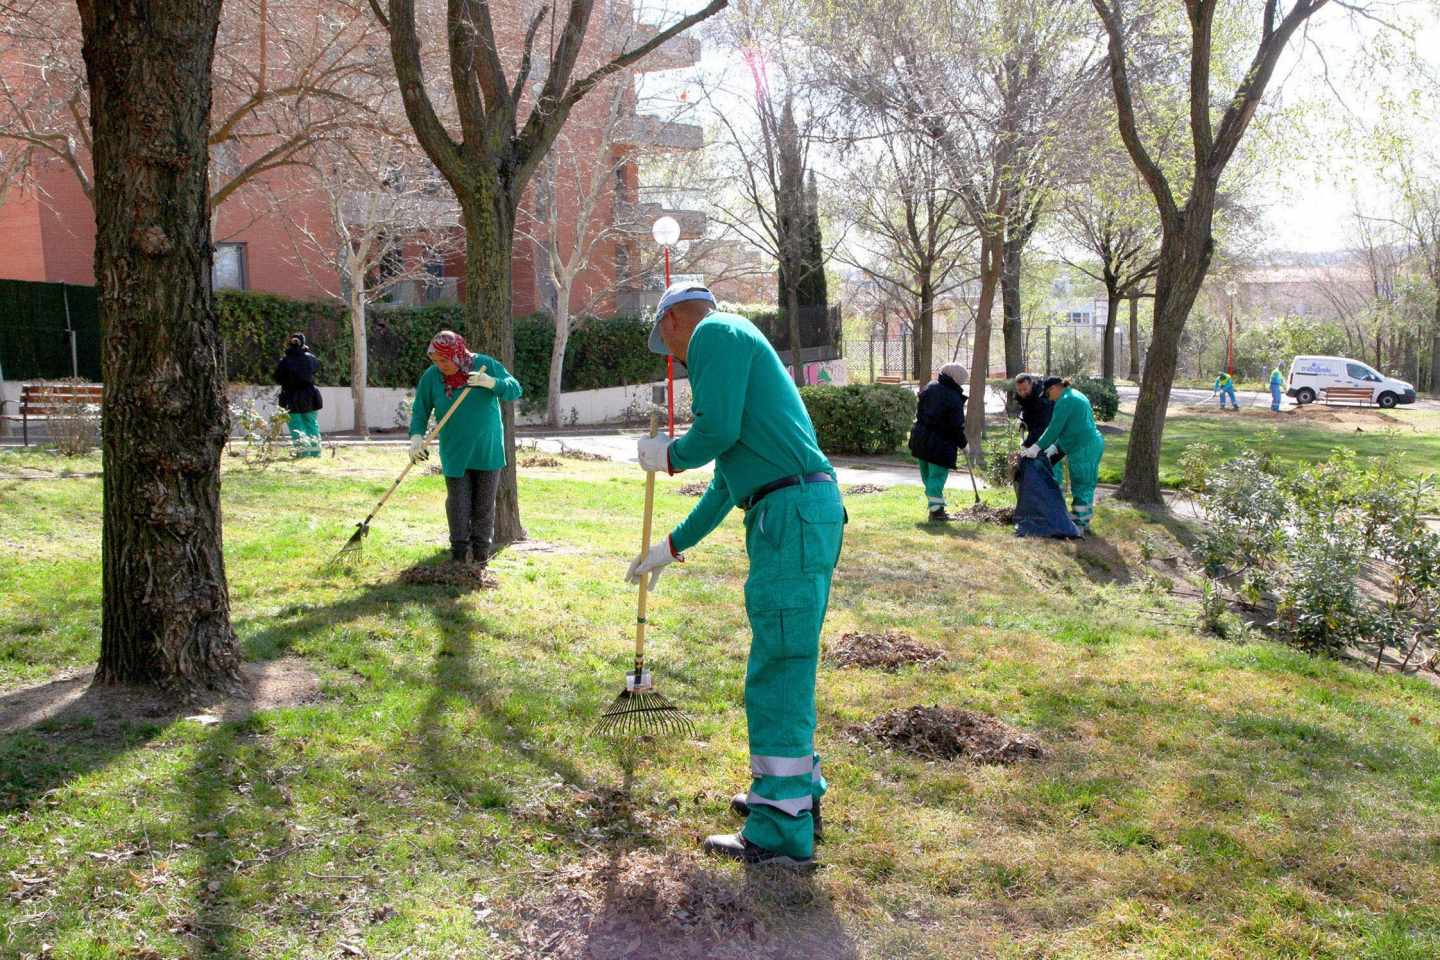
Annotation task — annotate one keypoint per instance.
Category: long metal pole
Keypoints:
(70, 332)
(669, 374)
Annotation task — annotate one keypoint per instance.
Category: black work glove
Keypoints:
(1056, 457)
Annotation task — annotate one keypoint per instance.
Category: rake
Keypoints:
(640, 710)
(362, 529)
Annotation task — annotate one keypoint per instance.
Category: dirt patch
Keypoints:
(539, 460)
(71, 699)
(694, 489)
(641, 905)
(449, 574)
(984, 513)
(886, 651)
(860, 489)
(949, 733)
(523, 547)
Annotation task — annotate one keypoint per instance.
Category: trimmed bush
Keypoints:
(860, 418)
(1104, 398)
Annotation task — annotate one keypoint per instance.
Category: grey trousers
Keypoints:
(470, 508)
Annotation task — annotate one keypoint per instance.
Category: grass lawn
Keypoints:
(1306, 435)
(1197, 799)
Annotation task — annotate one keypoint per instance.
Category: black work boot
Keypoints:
(740, 806)
(459, 553)
(736, 847)
(479, 555)
(938, 515)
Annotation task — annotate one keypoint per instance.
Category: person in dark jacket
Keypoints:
(939, 434)
(299, 396)
(1035, 412)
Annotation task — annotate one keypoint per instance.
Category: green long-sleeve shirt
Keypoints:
(1072, 424)
(473, 439)
(749, 419)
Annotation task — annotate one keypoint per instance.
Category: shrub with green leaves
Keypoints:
(1104, 398)
(860, 418)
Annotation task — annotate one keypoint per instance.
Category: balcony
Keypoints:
(663, 134)
(678, 53)
(638, 218)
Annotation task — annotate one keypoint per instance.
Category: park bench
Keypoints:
(45, 400)
(1361, 395)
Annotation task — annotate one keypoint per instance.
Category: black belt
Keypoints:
(762, 492)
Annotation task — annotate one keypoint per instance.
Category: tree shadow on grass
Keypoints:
(954, 530)
(1101, 561)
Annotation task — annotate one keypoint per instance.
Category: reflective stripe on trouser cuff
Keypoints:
(762, 766)
(936, 501)
(793, 806)
(815, 771)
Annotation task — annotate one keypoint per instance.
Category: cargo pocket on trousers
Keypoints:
(784, 618)
(822, 529)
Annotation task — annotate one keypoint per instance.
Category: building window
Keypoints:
(229, 270)
(1079, 317)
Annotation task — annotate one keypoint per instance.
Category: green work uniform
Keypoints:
(750, 421)
(1072, 429)
(933, 476)
(305, 434)
(474, 438)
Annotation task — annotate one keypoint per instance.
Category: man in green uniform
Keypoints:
(1072, 431)
(1277, 380)
(749, 420)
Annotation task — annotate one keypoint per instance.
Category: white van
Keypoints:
(1310, 376)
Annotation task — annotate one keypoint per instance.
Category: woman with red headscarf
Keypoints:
(472, 445)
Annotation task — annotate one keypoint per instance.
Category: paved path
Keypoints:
(1247, 398)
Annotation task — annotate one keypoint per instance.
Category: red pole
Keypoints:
(669, 362)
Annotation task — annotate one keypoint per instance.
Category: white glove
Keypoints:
(653, 562)
(1051, 450)
(481, 379)
(417, 448)
(1030, 452)
(654, 454)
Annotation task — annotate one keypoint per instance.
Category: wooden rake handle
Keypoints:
(434, 432)
(644, 551)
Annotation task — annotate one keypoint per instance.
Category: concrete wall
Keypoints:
(612, 405)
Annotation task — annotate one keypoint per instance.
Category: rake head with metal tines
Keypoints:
(352, 547)
(636, 714)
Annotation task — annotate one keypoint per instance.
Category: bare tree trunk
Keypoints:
(166, 606)
(1107, 361)
(557, 354)
(1013, 322)
(489, 243)
(359, 350)
(1184, 258)
(990, 269)
(1434, 384)
(1135, 336)
(924, 345)
(792, 322)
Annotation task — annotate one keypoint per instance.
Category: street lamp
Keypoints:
(1231, 288)
(666, 232)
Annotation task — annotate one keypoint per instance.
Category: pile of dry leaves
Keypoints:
(984, 513)
(539, 460)
(887, 651)
(949, 733)
(694, 489)
(584, 455)
(859, 489)
(449, 574)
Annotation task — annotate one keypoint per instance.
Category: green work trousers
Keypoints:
(933, 475)
(793, 539)
(305, 434)
(1084, 474)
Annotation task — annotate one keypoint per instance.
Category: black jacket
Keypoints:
(939, 432)
(296, 375)
(1035, 411)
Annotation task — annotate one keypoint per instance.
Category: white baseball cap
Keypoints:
(675, 293)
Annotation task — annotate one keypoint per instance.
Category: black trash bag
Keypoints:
(1040, 503)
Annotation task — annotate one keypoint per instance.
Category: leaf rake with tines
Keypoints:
(640, 710)
(356, 543)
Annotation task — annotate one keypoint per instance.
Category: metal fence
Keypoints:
(48, 331)
(1061, 350)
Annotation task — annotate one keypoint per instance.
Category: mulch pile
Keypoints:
(887, 651)
(449, 574)
(539, 461)
(638, 904)
(984, 513)
(694, 489)
(860, 489)
(949, 733)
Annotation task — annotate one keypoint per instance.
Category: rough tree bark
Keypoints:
(166, 606)
(991, 245)
(359, 348)
(1112, 310)
(1135, 336)
(1013, 323)
(923, 345)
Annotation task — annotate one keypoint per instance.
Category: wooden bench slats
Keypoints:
(46, 399)
(1353, 394)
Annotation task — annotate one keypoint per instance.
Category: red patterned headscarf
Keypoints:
(451, 346)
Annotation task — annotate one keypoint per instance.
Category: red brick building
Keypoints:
(47, 228)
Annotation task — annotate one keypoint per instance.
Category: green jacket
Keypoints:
(1223, 382)
(1072, 424)
(749, 419)
(473, 439)
(1276, 378)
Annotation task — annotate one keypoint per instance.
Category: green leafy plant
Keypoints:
(860, 418)
(1104, 398)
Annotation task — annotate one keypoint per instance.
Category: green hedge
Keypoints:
(1104, 398)
(860, 418)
